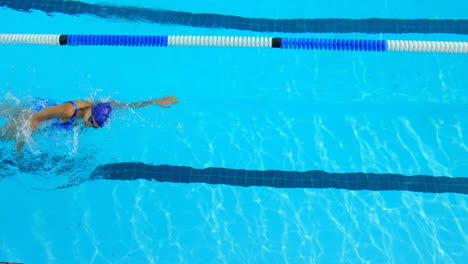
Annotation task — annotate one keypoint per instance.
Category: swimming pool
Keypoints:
(240, 109)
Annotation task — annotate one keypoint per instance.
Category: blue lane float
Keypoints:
(114, 40)
(237, 41)
(333, 44)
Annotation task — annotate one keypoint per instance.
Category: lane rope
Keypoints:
(237, 41)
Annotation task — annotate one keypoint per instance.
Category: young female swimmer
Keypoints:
(58, 115)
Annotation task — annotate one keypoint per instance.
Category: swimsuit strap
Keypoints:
(72, 119)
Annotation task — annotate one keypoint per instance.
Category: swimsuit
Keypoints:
(55, 123)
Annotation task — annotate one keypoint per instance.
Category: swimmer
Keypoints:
(64, 115)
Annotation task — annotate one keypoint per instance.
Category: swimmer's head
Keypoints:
(100, 113)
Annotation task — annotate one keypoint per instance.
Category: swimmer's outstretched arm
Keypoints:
(164, 102)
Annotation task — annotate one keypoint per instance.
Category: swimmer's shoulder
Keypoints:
(67, 108)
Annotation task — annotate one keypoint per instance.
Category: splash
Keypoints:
(49, 159)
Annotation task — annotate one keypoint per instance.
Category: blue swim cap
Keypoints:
(101, 112)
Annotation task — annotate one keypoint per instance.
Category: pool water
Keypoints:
(252, 109)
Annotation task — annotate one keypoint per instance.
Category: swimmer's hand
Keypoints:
(19, 146)
(86, 117)
(165, 102)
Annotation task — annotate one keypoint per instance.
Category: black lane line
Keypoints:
(319, 25)
(282, 179)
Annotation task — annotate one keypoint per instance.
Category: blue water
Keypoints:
(243, 109)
